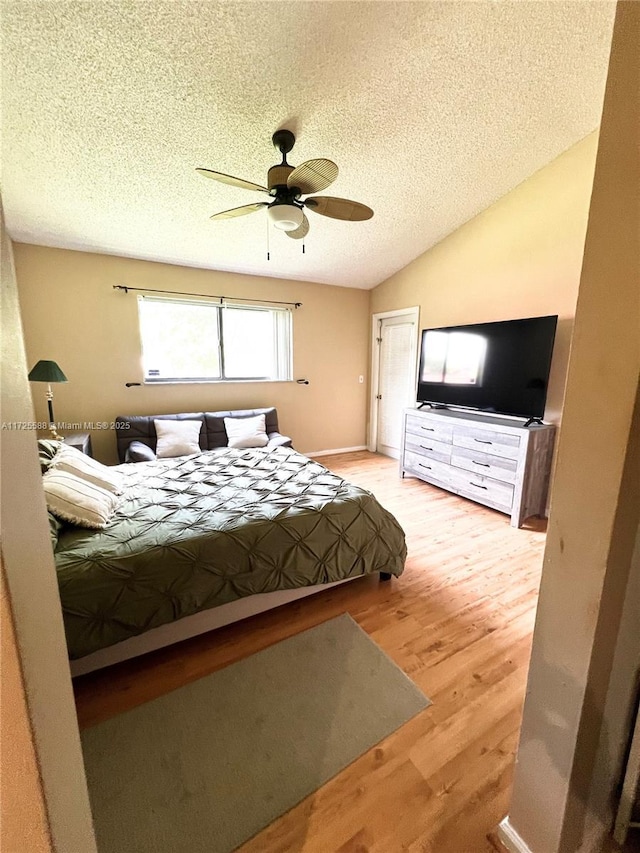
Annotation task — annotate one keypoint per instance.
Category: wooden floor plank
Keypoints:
(459, 622)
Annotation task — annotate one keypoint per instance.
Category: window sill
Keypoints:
(216, 381)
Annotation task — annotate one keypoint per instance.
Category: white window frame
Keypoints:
(282, 342)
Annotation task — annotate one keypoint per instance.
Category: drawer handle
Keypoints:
(428, 429)
(482, 441)
(477, 485)
(424, 466)
(484, 464)
(424, 447)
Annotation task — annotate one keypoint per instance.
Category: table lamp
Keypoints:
(48, 371)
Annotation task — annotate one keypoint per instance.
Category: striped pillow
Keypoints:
(74, 499)
(74, 462)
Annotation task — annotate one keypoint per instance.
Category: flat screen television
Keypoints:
(500, 367)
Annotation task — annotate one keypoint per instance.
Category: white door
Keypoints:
(395, 391)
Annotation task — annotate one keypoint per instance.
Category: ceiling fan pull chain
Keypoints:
(268, 253)
(303, 247)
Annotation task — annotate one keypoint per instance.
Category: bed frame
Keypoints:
(198, 623)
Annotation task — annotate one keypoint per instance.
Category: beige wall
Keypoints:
(519, 258)
(569, 724)
(32, 597)
(24, 821)
(72, 315)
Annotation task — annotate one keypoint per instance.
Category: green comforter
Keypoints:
(199, 531)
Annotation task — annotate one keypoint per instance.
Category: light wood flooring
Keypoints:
(459, 622)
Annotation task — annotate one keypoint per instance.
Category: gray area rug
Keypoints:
(209, 765)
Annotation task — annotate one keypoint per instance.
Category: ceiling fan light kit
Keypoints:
(286, 185)
(286, 217)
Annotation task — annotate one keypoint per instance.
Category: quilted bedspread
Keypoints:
(199, 531)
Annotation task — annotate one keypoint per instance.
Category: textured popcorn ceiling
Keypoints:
(432, 111)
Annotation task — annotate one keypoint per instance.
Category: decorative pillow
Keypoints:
(75, 462)
(47, 449)
(138, 451)
(73, 499)
(246, 432)
(177, 438)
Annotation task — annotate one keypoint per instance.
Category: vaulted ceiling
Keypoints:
(432, 111)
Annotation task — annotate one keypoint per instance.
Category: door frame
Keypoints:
(412, 313)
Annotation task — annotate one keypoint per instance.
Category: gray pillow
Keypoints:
(47, 449)
(138, 451)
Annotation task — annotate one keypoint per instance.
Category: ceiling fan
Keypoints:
(287, 184)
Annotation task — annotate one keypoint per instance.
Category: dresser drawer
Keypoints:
(426, 468)
(491, 442)
(496, 467)
(426, 446)
(417, 425)
(488, 491)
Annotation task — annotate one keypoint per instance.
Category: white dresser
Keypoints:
(492, 460)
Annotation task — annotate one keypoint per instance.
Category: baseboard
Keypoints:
(510, 838)
(315, 453)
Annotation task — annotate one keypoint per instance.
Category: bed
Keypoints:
(201, 540)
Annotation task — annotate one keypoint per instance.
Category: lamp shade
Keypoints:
(46, 371)
(286, 217)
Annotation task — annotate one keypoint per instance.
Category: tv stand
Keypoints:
(494, 461)
(533, 421)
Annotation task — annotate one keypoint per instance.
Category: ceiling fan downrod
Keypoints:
(283, 141)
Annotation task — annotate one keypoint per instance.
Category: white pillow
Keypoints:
(177, 438)
(74, 499)
(246, 432)
(72, 460)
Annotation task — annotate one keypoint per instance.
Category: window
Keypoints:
(190, 340)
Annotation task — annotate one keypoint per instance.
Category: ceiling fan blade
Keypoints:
(240, 211)
(229, 179)
(313, 176)
(301, 231)
(339, 208)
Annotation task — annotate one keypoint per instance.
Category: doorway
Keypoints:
(393, 374)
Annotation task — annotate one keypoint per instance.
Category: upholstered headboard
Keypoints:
(141, 428)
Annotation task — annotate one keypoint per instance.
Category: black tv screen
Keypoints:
(500, 367)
